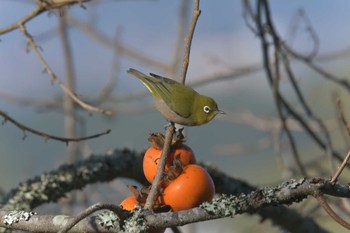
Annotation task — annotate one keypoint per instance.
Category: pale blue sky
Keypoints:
(151, 27)
(221, 42)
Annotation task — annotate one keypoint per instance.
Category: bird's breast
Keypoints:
(170, 114)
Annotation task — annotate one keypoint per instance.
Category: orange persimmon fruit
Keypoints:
(129, 203)
(190, 189)
(152, 156)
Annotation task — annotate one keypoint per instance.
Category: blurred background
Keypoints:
(105, 38)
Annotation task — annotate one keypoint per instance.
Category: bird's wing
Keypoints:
(178, 96)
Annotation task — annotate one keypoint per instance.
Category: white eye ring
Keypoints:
(206, 109)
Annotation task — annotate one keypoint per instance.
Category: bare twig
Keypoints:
(69, 107)
(295, 85)
(342, 115)
(117, 45)
(274, 79)
(53, 103)
(154, 192)
(341, 168)
(279, 45)
(109, 87)
(271, 123)
(68, 102)
(248, 13)
(45, 135)
(241, 72)
(267, 28)
(37, 11)
(56, 79)
(178, 50)
(90, 210)
(345, 162)
(188, 40)
(301, 16)
(171, 128)
(41, 7)
(330, 212)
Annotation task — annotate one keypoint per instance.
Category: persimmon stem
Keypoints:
(154, 192)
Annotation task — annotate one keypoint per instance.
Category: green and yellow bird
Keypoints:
(178, 103)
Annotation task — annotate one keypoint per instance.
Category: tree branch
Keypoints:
(330, 212)
(45, 135)
(42, 6)
(47, 68)
(154, 192)
(188, 40)
(222, 206)
(51, 186)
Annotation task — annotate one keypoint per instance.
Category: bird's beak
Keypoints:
(220, 112)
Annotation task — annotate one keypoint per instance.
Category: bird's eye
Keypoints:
(206, 109)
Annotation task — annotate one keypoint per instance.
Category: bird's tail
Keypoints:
(137, 74)
(148, 81)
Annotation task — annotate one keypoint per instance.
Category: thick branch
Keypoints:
(54, 185)
(221, 207)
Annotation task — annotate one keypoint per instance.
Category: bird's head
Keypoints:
(205, 109)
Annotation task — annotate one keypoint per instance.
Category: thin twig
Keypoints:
(241, 72)
(279, 45)
(339, 128)
(55, 78)
(109, 87)
(302, 16)
(171, 128)
(340, 168)
(183, 19)
(45, 135)
(37, 11)
(248, 12)
(41, 7)
(330, 212)
(117, 45)
(295, 85)
(344, 122)
(154, 192)
(325, 145)
(90, 210)
(342, 115)
(188, 40)
(279, 101)
(68, 103)
(325, 74)
(69, 108)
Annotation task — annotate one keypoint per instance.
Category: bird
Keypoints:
(176, 102)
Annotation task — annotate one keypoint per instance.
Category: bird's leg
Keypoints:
(170, 124)
(179, 137)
